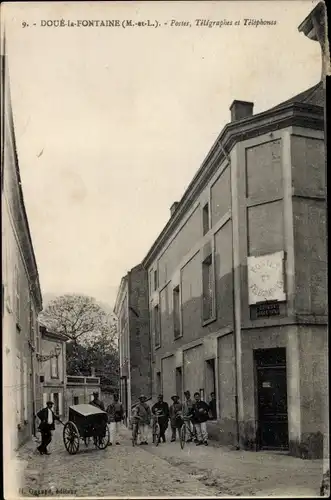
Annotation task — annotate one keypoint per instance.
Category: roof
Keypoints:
(86, 409)
(307, 25)
(52, 335)
(314, 95)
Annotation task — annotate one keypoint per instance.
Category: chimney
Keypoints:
(173, 208)
(240, 110)
(313, 27)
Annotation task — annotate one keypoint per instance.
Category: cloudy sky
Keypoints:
(113, 123)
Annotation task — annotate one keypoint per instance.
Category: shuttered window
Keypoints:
(157, 326)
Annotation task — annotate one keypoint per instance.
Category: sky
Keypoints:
(112, 123)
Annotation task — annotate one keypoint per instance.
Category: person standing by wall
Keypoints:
(187, 414)
(143, 412)
(200, 412)
(115, 416)
(175, 412)
(161, 409)
(212, 406)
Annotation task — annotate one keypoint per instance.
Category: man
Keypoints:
(175, 416)
(115, 416)
(200, 416)
(97, 402)
(161, 409)
(143, 413)
(47, 425)
(212, 406)
(187, 414)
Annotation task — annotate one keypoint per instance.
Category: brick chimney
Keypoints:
(313, 27)
(173, 208)
(240, 110)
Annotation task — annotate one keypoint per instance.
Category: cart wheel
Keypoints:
(182, 436)
(102, 442)
(71, 438)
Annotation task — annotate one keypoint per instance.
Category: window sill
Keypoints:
(178, 336)
(157, 347)
(206, 322)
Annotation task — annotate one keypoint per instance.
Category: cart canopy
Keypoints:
(86, 410)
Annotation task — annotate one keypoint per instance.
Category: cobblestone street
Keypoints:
(163, 471)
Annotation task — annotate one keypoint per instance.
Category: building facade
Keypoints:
(131, 309)
(80, 389)
(21, 295)
(52, 370)
(237, 281)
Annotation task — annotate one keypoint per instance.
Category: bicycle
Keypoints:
(135, 431)
(157, 429)
(182, 432)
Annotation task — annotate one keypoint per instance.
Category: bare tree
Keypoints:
(75, 316)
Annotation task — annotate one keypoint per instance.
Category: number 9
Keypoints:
(24, 24)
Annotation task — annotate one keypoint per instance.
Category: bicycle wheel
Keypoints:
(157, 435)
(182, 436)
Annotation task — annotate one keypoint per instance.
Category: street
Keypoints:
(163, 471)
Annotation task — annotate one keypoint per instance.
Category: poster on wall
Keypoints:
(266, 278)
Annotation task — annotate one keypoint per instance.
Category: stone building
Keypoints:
(237, 295)
(131, 309)
(51, 360)
(79, 389)
(21, 295)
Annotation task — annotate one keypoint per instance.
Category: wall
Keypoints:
(140, 342)
(227, 389)
(193, 369)
(168, 378)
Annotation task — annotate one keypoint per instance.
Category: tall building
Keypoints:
(131, 309)
(237, 295)
(21, 295)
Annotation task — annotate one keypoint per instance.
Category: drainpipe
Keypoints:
(236, 332)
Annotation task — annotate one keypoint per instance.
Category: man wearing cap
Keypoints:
(143, 412)
(175, 414)
(161, 409)
(97, 402)
(47, 425)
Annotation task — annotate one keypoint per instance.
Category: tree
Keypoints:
(74, 316)
(91, 334)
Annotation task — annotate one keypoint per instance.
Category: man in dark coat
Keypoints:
(161, 408)
(47, 425)
(97, 402)
(200, 412)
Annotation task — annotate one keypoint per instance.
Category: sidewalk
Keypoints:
(242, 473)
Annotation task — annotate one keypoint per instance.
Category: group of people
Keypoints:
(195, 413)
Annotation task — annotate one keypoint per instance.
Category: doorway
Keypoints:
(271, 384)
(56, 403)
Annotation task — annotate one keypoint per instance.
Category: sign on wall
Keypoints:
(266, 278)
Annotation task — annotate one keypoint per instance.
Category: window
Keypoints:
(76, 400)
(55, 367)
(155, 280)
(176, 312)
(17, 294)
(205, 219)
(157, 326)
(207, 288)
